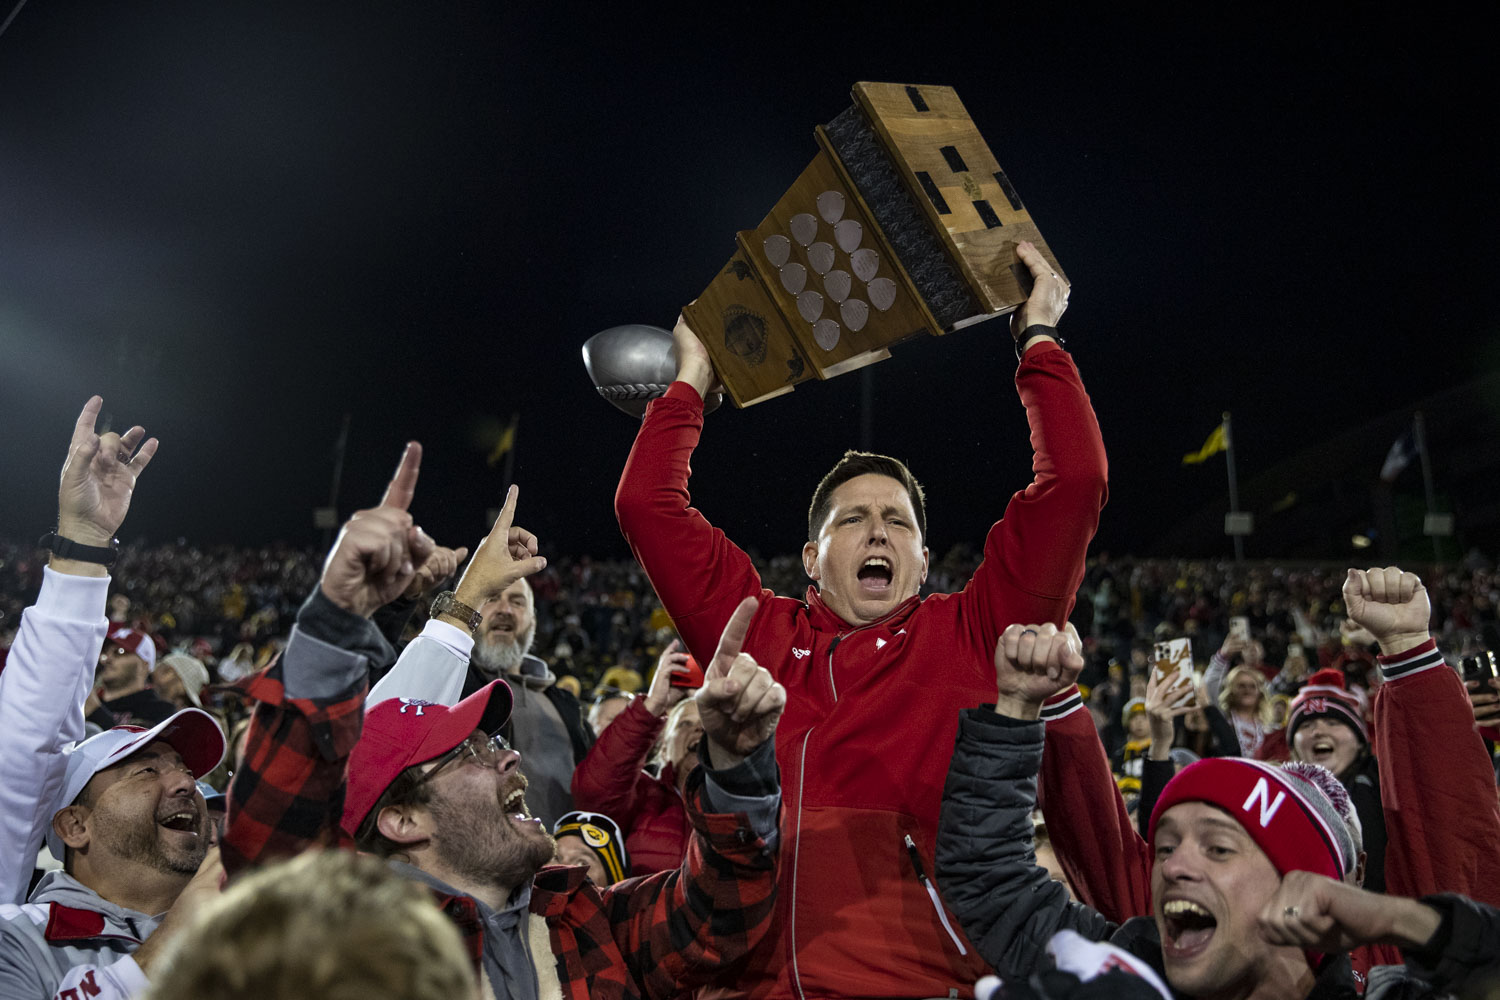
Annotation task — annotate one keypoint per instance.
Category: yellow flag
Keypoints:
(506, 443)
(1217, 441)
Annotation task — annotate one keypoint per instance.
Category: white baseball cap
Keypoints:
(192, 732)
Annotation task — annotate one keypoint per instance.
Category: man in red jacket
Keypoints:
(874, 674)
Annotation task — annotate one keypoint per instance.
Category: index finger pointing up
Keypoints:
(403, 484)
(733, 639)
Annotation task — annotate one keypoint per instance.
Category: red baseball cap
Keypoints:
(400, 732)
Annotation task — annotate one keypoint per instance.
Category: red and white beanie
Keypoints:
(1284, 812)
(1325, 697)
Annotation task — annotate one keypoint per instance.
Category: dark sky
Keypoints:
(239, 221)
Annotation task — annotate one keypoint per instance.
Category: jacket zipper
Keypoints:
(932, 894)
(796, 859)
(801, 787)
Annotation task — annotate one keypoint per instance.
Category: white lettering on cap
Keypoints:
(416, 703)
(1268, 806)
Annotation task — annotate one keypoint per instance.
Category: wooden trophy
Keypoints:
(902, 224)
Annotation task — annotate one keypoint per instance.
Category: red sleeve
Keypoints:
(608, 778)
(1033, 557)
(1106, 861)
(1442, 820)
(697, 572)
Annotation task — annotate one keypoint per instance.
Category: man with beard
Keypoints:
(441, 793)
(546, 724)
(133, 836)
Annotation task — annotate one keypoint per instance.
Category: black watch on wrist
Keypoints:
(1035, 330)
(66, 548)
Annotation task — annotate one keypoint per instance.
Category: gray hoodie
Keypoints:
(68, 942)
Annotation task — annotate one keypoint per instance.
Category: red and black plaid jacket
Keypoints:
(646, 937)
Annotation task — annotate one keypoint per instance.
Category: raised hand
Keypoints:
(506, 555)
(1315, 912)
(1485, 704)
(661, 696)
(378, 550)
(1391, 604)
(440, 565)
(1167, 697)
(693, 364)
(1032, 663)
(1049, 292)
(98, 478)
(739, 704)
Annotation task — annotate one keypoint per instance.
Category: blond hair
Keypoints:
(1262, 700)
(332, 924)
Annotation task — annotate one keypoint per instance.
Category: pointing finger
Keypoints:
(403, 485)
(733, 639)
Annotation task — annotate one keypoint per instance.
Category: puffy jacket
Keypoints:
(613, 780)
(871, 710)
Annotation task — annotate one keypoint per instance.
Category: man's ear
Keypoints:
(407, 825)
(810, 560)
(71, 825)
(925, 560)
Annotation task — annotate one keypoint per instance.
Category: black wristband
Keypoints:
(1036, 330)
(66, 548)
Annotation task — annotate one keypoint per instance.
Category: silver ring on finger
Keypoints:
(1028, 631)
(1291, 913)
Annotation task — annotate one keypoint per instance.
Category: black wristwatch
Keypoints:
(446, 604)
(1036, 330)
(66, 548)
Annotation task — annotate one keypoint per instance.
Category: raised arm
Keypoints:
(986, 855)
(689, 927)
(432, 667)
(697, 572)
(1442, 822)
(52, 662)
(288, 795)
(607, 780)
(1033, 557)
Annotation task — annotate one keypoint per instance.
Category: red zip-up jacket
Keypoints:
(871, 711)
(612, 780)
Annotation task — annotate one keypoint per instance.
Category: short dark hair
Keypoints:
(860, 463)
(408, 789)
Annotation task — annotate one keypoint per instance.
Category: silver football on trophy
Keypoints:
(632, 365)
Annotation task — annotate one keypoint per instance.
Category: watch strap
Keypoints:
(447, 604)
(66, 548)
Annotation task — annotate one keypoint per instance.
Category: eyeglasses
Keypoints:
(485, 751)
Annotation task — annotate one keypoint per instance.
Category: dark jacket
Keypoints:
(1010, 908)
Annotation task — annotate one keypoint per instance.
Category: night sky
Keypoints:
(238, 222)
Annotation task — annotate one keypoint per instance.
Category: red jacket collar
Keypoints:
(67, 923)
(825, 620)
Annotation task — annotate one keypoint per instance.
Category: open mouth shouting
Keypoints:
(875, 576)
(184, 821)
(514, 805)
(1188, 929)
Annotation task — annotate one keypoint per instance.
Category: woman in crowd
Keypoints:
(661, 725)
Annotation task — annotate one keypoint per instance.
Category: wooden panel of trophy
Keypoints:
(963, 192)
(752, 348)
(824, 260)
